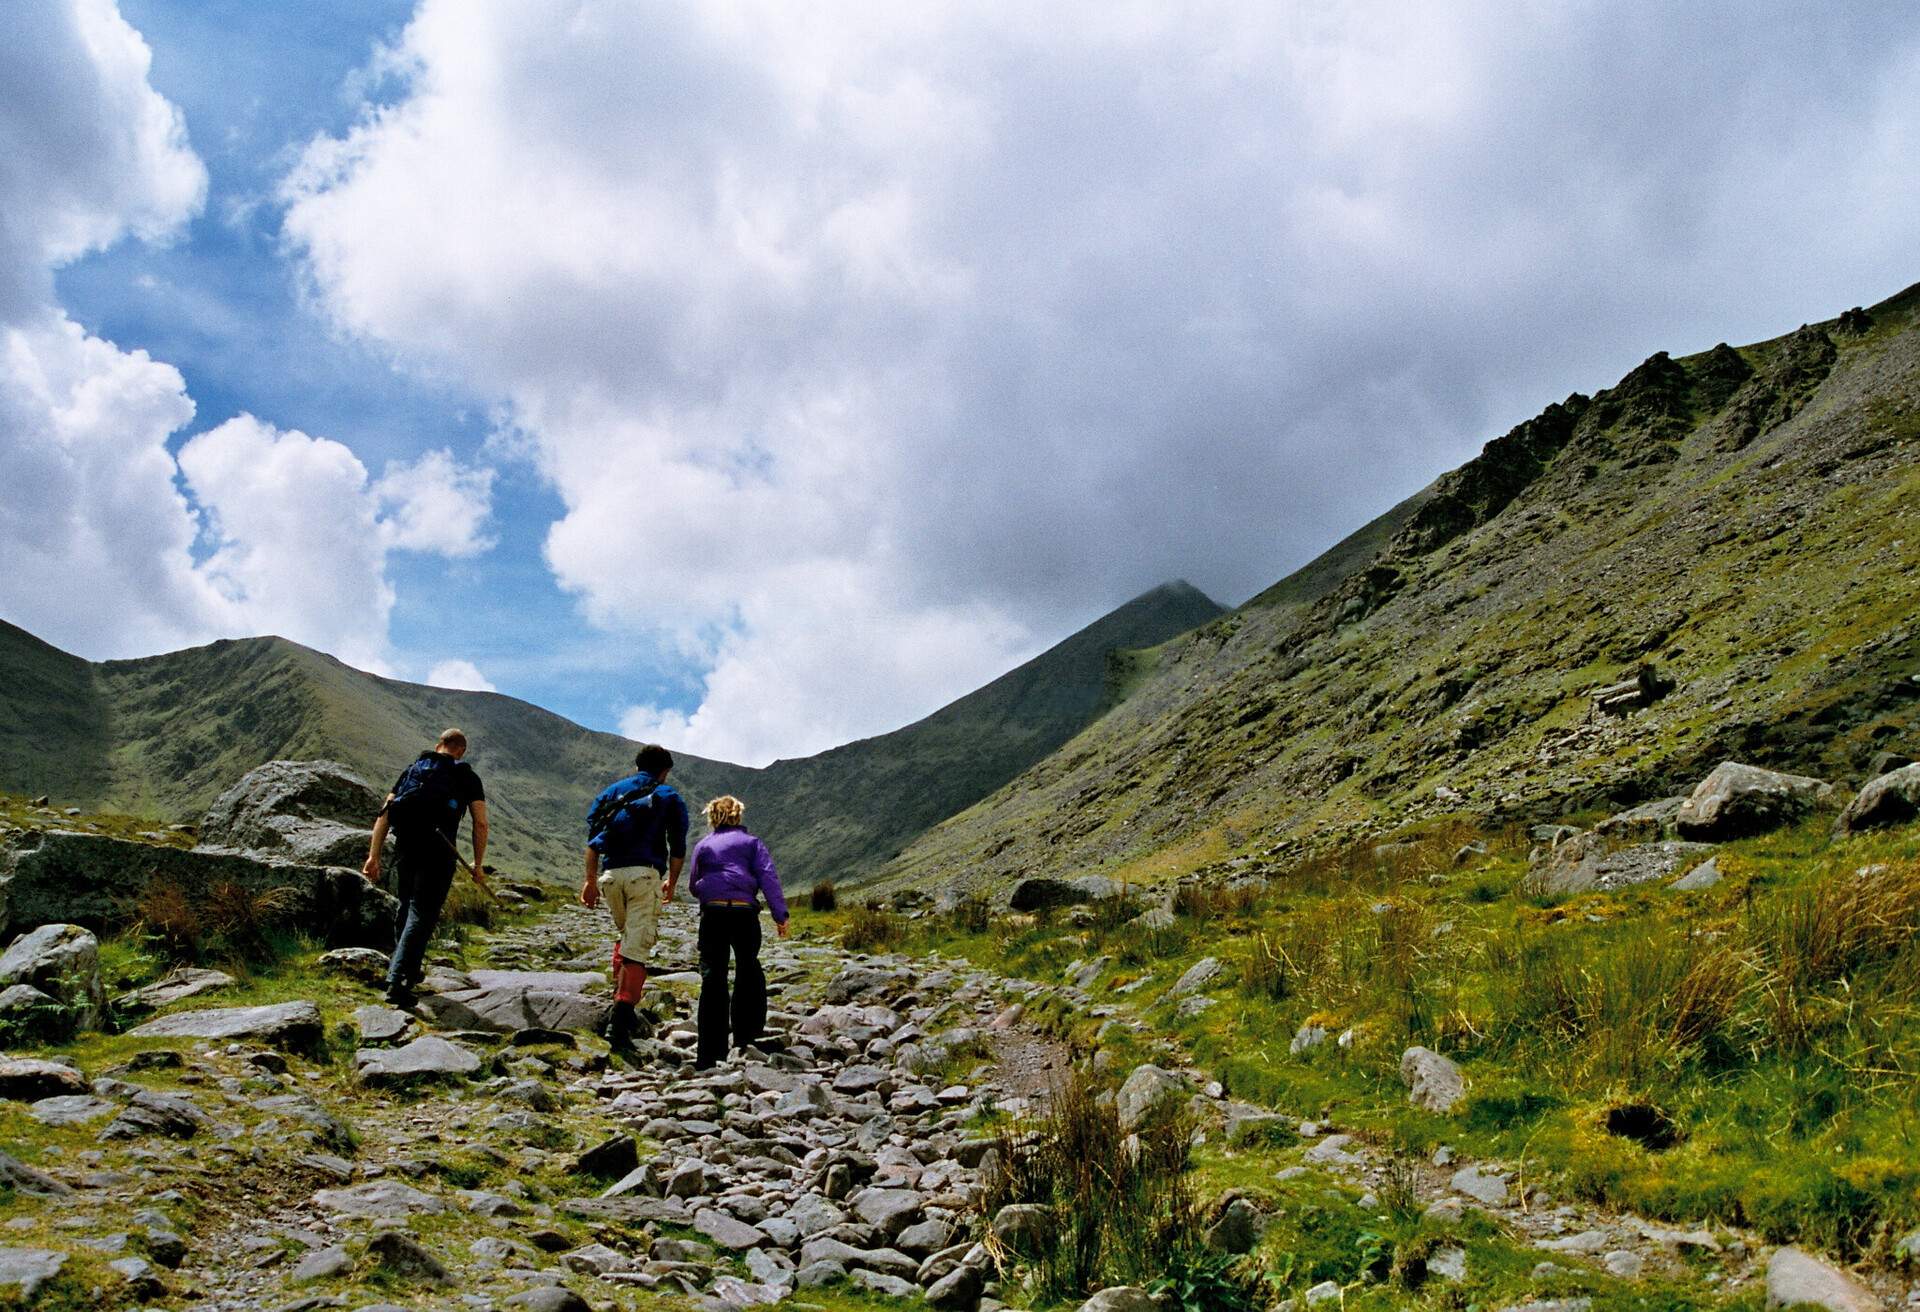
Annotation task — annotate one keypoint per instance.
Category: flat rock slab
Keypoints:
(381, 1024)
(71, 1109)
(29, 1079)
(1795, 1278)
(27, 1270)
(728, 1231)
(551, 981)
(425, 1058)
(292, 1025)
(378, 1198)
(175, 986)
(507, 1009)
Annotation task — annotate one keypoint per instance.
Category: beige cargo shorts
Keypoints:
(632, 894)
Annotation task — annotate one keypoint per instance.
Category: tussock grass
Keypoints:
(872, 928)
(225, 920)
(821, 897)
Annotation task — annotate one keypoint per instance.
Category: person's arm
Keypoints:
(590, 890)
(676, 846)
(479, 841)
(371, 869)
(769, 880)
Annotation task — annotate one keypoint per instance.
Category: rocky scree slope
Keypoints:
(1741, 523)
(164, 735)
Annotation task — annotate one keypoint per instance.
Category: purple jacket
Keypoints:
(731, 865)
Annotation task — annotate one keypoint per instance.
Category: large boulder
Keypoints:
(317, 813)
(1737, 800)
(1892, 799)
(56, 876)
(1433, 1082)
(1146, 1090)
(63, 962)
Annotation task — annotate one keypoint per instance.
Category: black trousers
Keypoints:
(424, 878)
(734, 930)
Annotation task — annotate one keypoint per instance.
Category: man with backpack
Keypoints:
(636, 833)
(423, 813)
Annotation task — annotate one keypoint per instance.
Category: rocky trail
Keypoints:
(484, 1152)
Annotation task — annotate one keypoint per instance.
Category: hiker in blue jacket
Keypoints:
(636, 833)
(424, 812)
(731, 868)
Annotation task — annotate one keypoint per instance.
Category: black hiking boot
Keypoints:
(401, 996)
(620, 1030)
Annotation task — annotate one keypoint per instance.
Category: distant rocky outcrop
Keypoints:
(317, 813)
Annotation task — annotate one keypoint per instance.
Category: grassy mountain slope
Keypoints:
(846, 811)
(1742, 519)
(162, 736)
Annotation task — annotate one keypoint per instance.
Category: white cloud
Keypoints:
(112, 546)
(459, 674)
(867, 345)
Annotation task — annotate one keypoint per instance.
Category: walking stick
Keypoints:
(478, 877)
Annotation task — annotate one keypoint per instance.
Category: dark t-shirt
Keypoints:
(463, 782)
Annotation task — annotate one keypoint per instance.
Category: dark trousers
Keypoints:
(733, 930)
(421, 884)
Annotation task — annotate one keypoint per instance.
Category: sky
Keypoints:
(755, 377)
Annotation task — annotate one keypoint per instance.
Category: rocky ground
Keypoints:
(485, 1152)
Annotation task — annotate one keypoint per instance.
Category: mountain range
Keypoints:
(1730, 537)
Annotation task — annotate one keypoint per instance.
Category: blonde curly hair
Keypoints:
(725, 810)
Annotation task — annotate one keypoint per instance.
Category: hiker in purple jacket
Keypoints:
(729, 869)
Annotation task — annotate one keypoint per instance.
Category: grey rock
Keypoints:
(1147, 1089)
(1795, 1277)
(958, 1290)
(63, 962)
(1586, 863)
(687, 1180)
(141, 1279)
(1644, 823)
(368, 965)
(30, 1079)
(1122, 1298)
(1197, 976)
(1327, 1291)
(1332, 1151)
(880, 1283)
(924, 1237)
(1306, 1037)
(157, 1113)
(547, 1298)
(597, 1260)
(26, 1271)
(305, 1112)
(1703, 876)
(378, 1198)
(813, 1214)
(1624, 1264)
(428, 1057)
(99, 880)
(381, 1024)
(728, 1231)
(176, 985)
(1258, 1127)
(1026, 1229)
(611, 1158)
(1891, 799)
(1449, 1263)
(71, 1109)
(822, 1272)
(508, 1005)
(314, 812)
(295, 1026)
(1433, 1082)
(16, 1174)
(1038, 892)
(1736, 800)
(889, 1211)
(1486, 1187)
(322, 1264)
(1238, 1228)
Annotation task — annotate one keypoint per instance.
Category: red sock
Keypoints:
(629, 977)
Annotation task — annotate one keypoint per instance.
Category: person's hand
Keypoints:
(371, 869)
(780, 928)
(589, 896)
(666, 890)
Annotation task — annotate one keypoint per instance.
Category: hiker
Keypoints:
(636, 833)
(423, 811)
(729, 867)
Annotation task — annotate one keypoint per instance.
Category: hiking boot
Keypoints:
(620, 1029)
(401, 996)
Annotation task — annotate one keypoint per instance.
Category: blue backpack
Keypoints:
(424, 797)
(624, 817)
